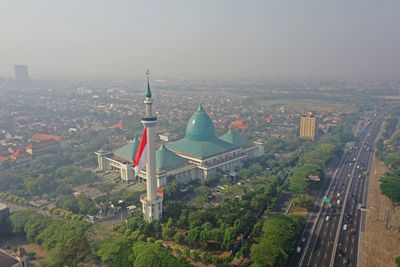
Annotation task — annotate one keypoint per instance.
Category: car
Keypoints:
(304, 239)
(348, 175)
(352, 231)
(298, 250)
(345, 227)
(327, 218)
(338, 194)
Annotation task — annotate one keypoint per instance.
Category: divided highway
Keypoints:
(331, 234)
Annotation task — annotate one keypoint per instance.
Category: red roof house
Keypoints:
(44, 137)
(239, 125)
(118, 125)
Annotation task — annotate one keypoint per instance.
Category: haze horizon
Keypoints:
(264, 39)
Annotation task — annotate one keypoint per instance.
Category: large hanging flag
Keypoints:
(141, 154)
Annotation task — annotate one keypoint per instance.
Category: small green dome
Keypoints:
(200, 127)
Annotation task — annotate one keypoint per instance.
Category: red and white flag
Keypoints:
(141, 154)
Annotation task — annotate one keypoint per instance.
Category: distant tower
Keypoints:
(21, 74)
(152, 201)
(308, 126)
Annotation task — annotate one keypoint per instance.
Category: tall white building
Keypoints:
(152, 201)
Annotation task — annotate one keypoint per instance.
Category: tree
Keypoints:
(244, 173)
(106, 188)
(397, 261)
(19, 219)
(179, 238)
(390, 186)
(61, 234)
(69, 203)
(110, 251)
(256, 169)
(86, 205)
(275, 245)
(148, 254)
(167, 232)
(35, 225)
(393, 160)
(225, 181)
(304, 201)
(186, 252)
(230, 235)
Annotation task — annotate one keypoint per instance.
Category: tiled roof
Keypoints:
(41, 144)
(240, 125)
(167, 160)
(200, 149)
(118, 125)
(42, 137)
(19, 154)
(234, 138)
(128, 152)
(7, 260)
(3, 159)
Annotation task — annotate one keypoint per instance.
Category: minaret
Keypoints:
(152, 201)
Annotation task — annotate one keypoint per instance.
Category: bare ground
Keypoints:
(382, 239)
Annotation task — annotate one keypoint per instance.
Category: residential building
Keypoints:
(21, 74)
(308, 126)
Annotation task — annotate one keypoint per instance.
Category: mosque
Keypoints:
(196, 156)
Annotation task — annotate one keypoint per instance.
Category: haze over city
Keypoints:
(199, 133)
(210, 39)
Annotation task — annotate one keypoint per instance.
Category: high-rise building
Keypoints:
(21, 74)
(152, 200)
(308, 126)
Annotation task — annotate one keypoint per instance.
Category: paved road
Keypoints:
(324, 241)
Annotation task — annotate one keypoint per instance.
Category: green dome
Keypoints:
(200, 127)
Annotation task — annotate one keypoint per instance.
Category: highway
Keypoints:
(331, 234)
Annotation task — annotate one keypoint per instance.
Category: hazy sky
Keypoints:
(116, 38)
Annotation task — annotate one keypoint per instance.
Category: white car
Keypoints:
(345, 227)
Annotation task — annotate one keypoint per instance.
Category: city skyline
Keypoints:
(265, 39)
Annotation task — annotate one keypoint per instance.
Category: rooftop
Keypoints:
(43, 137)
(167, 160)
(128, 151)
(6, 260)
(234, 138)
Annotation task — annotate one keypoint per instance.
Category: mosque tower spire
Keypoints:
(152, 201)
